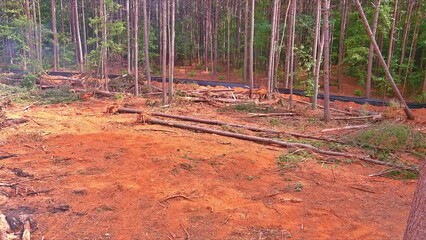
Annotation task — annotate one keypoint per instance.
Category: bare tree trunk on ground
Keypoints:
(371, 53)
(382, 62)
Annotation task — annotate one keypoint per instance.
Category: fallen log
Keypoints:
(220, 123)
(332, 109)
(271, 114)
(346, 128)
(150, 120)
(99, 92)
(377, 117)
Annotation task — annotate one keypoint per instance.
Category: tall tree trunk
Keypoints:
(215, 37)
(271, 64)
(251, 61)
(413, 49)
(371, 53)
(315, 55)
(405, 37)
(62, 17)
(382, 62)
(172, 50)
(146, 45)
(341, 56)
(36, 35)
(326, 6)
(129, 41)
(416, 226)
(424, 84)
(229, 42)
(281, 45)
(392, 33)
(292, 58)
(391, 42)
(164, 48)
(78, 37)
(30, 33)
(83, 16)
(40, 34)
(55, 37)
(136, 47)
(246, 44)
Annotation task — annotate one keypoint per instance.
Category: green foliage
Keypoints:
(358, 92)
(391, 137)
(192, 73)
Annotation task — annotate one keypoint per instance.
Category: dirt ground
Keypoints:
(85, 174)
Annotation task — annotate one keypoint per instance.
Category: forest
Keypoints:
(212, 119)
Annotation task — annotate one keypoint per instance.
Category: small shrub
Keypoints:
(219, 68)
(245, 107)
(29, 81)
(221, 77)
(298, 187)
(358, 93)
(192, 73)
(421, 98)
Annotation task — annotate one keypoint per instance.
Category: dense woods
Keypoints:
(307, 45)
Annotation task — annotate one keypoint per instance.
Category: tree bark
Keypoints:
(371, 53)
(392, 33)
(146, 45)
(416, 226)
(382, 62)
(40, 35)
(55, 37)
(326, 6)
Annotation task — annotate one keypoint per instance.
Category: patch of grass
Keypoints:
(390, 137)
(221, 77)
(54, 96)
(290, 161)
(402, 174)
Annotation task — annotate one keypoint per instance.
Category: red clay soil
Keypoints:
(112, 178)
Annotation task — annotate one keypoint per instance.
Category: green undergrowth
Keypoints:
(391, 137)
(25, 96)
(249, 108)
